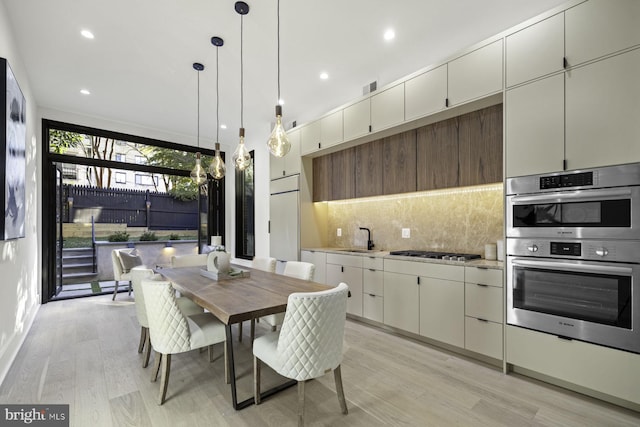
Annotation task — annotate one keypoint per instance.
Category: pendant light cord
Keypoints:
(278, 52)
(241, 75)
(217, 98)
(198, 110)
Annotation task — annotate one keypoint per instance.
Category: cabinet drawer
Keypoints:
(425, 269)
(483, 276)
(373, 282)
(483, 337)
(375, 263)
(483, 302)
(373, 308)
(345, 260)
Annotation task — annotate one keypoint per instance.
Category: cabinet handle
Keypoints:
(283, 173)
(482, 285)
(341, 269)
(564, 165)
(372, 269)
(418, 280)
(482, 268)
(372, 295)
(563, 338)
(370, 128)
(565, 63)
(446, 102)
(319, 145)
(483, 320)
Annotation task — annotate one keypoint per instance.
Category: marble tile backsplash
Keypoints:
(456, 220)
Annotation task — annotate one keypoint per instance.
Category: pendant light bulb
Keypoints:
(241, 157)
(198, 174)
(278, 143)
(217, 169)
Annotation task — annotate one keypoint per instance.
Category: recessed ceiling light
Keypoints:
(87, 34)
(324, 76)
(389, 34)
(85, 92)
(223, 126)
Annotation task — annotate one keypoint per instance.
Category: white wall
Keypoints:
(20, 259)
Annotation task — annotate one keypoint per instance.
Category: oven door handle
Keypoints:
(572, 266)
(574, 196)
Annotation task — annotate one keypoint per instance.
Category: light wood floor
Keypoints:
(84, 352)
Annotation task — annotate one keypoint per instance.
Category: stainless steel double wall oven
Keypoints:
(573, 254)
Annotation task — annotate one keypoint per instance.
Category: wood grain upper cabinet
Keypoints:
(600, 27)
(322, 178)
(289, 164)
(357, 119)
(343, 174)
(476, 74)
(480, 146)
(535, 51)
(426, 94)
(437, 155)
(331, 129)
(399, 160)
(310, 138)
(369, 168)
(387, 108)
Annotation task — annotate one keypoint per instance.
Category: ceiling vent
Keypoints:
(371, 87)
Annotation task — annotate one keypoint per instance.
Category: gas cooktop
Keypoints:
(448, 256)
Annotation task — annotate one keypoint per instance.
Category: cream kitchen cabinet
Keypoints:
(600, 27)
(357, 119)
(387, 108)
(426, 94)
(347, 269)
(322, 133)
(373, 289)
(535, 51)
(476, 74)
(401, 301)
(534, 127)
(319, 260)
(583, 118)
(442, 310)
(483, 311)
(289, 164)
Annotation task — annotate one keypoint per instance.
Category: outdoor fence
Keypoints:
(156, 211)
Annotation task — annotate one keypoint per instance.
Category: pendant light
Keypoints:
(241, 157)
(217, 168)
(198, 174)
(278, 143)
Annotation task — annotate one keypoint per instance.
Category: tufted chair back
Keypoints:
(301, 270)
(264, 264)
(190, 260)
(311, 337)
(167, 325)
(137, 275)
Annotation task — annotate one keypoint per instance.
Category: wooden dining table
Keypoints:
(236, 299)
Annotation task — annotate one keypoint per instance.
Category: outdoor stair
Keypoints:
(78, 265)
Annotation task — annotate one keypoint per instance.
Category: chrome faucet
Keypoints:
(369, 241)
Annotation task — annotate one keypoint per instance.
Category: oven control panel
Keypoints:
(627, 251)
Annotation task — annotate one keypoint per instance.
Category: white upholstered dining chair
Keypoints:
(123, 260)
(172, 332)
(298, 269)
(187, 307)
(309, 343)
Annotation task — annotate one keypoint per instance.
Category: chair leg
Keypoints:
(156, 367)
(337, 375)
(164, 380)
(115, 292)
(273, 328)
(129, 287)
(147, 352)
(240, 331)
(300, 403)
(143, 339)
(256, 380)
(227, 377)
(253, 331)
(210, 353)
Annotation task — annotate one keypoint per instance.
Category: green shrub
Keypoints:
(174, 236)
(148, 236)
(119, 236)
